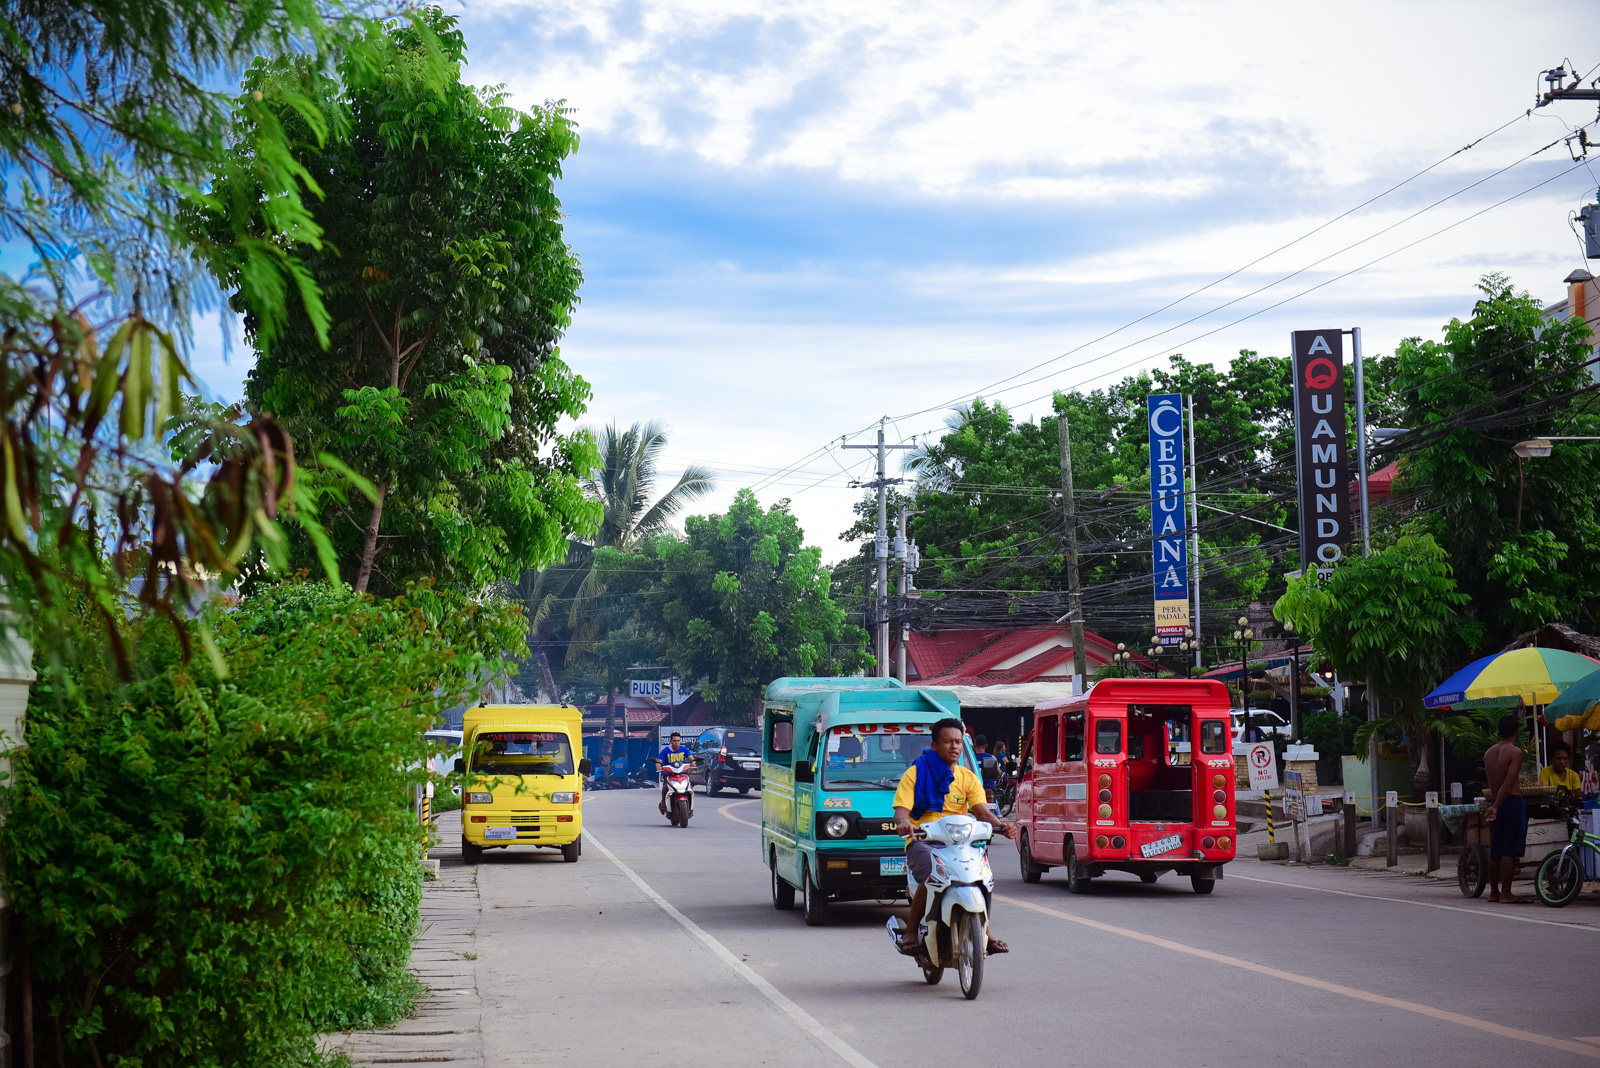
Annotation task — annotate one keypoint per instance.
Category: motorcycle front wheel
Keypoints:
(969, 937)
(680, 813)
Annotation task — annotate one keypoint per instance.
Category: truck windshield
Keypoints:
(869, 756)
(522, 753)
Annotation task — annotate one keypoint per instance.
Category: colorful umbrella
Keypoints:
(1577, 705)
(1533, 676)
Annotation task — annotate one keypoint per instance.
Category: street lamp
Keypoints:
(1123, 658)
(1294, 681)
(1244, 635)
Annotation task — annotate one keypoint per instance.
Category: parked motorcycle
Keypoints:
(680, 795)
(1005, 792)
(955, 924)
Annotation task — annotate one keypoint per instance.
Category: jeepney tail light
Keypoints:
(1224, 842)
(1101, 842)
(1119, 842)
(1208, 842)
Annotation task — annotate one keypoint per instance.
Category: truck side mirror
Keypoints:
(585, 766)
(461, 766)
(802, 771)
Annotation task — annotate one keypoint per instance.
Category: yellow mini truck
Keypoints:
(522, 779)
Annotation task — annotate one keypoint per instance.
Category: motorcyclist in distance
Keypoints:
(938, 785)
(674, 756)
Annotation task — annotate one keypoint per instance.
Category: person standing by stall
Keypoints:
(1508, 813)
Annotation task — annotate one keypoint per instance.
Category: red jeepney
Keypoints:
(1137, 776)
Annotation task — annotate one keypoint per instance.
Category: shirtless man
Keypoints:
(1508, 813)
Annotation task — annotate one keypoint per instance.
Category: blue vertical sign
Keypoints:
(1167, 516)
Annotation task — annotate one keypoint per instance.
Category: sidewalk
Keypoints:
(445, 1027)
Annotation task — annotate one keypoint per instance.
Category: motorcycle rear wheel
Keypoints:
(969, 940)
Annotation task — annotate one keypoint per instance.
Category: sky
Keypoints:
(796, 219)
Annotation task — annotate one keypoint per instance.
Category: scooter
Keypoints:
(955, 925)
(680, 795)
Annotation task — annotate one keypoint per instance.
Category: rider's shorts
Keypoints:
(919, 860)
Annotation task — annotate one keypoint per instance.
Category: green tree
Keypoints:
(624, 482)
(1522, 536)
(1397, 619)
(111, 126)
(738, 601)
(447, 283)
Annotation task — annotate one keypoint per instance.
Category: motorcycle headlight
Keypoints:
(477, 797)
(836, 826)
(959, 835)
(564, 798)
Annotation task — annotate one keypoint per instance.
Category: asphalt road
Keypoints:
(661, 947)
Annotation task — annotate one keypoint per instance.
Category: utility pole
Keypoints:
(881, 543)
(906, 554)
(1080, 660)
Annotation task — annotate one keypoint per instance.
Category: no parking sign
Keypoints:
(1263, 767)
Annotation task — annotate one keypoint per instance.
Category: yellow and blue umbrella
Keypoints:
(1578, 706)
(1533, 676)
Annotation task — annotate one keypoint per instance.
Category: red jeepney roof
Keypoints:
(1145, 691)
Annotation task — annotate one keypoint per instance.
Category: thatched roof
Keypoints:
(1558, 636)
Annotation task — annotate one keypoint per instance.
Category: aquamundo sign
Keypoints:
(1167, 511)
(1320, 437)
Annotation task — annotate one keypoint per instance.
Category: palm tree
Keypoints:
(626, 479)
(624, 484)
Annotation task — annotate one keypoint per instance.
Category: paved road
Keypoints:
(668, 952)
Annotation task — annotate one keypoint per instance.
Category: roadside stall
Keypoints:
(1529, 677)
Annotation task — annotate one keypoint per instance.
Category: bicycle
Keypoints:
(1560, 878)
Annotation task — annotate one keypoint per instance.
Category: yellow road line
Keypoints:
(1429, 1011)
(724, 810)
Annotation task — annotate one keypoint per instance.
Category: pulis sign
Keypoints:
(1320, 437)
(1167, 512)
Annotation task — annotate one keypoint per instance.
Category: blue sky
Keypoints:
(797, 218)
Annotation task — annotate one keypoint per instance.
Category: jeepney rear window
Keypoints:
(1108, 736)
(521, 753)
(868, 757)
(1213, 736)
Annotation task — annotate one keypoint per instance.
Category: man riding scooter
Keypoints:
(673, 756)
(937, 785)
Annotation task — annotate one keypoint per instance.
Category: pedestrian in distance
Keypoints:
(1508, 813)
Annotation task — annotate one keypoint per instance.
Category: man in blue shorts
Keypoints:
(1508, 813)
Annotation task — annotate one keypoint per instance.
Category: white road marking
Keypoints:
(1368, 996)
(1502, 914)
(801, 1018)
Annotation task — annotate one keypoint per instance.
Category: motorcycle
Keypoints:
(680, 795)
(1005, 793)
(955, 923)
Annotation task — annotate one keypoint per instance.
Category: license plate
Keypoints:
(750, 767)
(1161, 845)
(499, 832)
(891, 865)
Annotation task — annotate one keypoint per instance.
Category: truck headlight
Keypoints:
(564, 798)
(478, 797)
(836, 826)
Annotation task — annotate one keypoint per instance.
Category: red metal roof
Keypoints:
(970, 657)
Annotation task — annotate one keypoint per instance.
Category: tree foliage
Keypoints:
(211, 872)
(447, 282)
(1502, 375)
(111, 123)
(737, 601)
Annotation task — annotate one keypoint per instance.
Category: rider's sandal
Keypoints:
(995, 947)
(910, 949)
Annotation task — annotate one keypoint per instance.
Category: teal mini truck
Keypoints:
(833, 751)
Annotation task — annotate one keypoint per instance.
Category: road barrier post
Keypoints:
(1433, 830)
(1391, 804)
(1349, 823)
